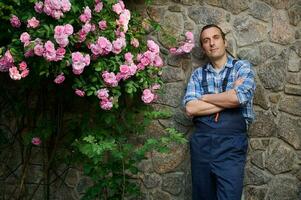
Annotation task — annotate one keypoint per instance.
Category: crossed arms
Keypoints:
(197, 104)
(213, 103)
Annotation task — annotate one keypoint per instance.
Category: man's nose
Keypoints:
(211, 43)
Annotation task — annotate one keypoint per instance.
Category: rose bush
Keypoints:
(98, 50)
(92, 43)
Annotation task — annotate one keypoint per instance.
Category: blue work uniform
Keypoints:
(218, 151)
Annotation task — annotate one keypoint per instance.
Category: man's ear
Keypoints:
(226, 43)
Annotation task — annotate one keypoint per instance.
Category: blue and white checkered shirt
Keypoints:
(245, 91)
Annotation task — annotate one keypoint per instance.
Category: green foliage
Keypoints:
(108, 144)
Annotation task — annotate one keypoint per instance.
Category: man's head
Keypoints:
(213, 41)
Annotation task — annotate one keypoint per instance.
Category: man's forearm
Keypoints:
(199, 108)
(226, 99)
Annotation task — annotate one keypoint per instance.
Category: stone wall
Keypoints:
(268, 34)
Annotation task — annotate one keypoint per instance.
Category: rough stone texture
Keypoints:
(294, 13)
(263, 126)
(291, 104)
(293, 78)
(217, 3)
(72, 178)
(294, 63)
(272, 75)
(260, 11)
(173, 183)
(255, 176)
(280, 158)
(259, 144)
(160, 195)
(204, 15)
(248, 31)
(279, 4)
(255, 193)
(171, 95)
(173, 25)
(281, 32)
(284, 188)
(146, 166)
(172, 74)
(155, 13)
(260, 97)
(267, 51)
(257, 158)
(251, 54)
(234, 6)
(167, 162)
(290, 130)
(151, 180)
(297, 47)
(292, 89)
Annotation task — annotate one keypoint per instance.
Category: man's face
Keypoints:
(213, 43)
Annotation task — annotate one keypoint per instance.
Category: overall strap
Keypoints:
(225, 81)
(204, 80)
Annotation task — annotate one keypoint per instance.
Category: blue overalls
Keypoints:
(218, 153)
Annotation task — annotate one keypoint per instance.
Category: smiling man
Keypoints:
(219, 97)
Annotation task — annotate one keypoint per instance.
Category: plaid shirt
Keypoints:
(245, 91)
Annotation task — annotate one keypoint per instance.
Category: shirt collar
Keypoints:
(228, 64)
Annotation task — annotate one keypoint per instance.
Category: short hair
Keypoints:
(210, 26)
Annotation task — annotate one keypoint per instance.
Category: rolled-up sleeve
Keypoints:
(193, 89)
(245, 91)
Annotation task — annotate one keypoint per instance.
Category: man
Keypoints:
(219, 97)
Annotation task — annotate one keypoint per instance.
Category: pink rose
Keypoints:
(80, 93)
(36, 141)
(145, 61)
(117, 8)
(110, 79)
(15, 22)
(14, 73)
(189, 36)
(106, 104)
(147, 96)
(38, 50)
(68, 29)
(103, 93)
(24, 73)
(187, 47)
(60, 52)
(152, 46)
(156, 86)
(173, 50)
(98, 7)
(86, 16)
(66, 5)
(22, 65)
(87, 28)
(102, 25)
(33, 23)
(49, 51)
(38, 7)
(59, 79)
(135, 42)
(6, 62)
(158, 62)
(25, 38)
(128, 57)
